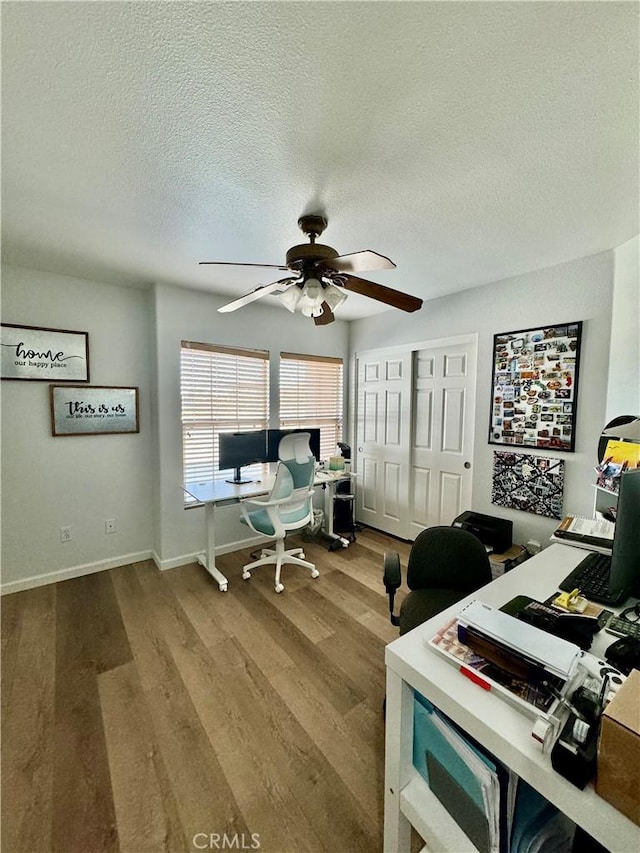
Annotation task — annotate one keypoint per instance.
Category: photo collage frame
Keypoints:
(535, 387)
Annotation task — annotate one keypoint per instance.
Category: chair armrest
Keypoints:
(392, 580)
(266, 502)
(272, 513)
(392, 573)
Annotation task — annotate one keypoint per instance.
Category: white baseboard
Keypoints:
(229, 548)
(123, 560)
(75, 572)
(175, 562)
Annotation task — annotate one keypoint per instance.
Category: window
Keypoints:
(311, 396)
(223, 389)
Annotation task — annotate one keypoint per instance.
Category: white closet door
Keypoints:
(383, 440)
(415, 432)
(443, 408)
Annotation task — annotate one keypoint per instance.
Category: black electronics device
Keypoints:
(619, 576)
(237, 449)
(494, 533)
(574, 628)
(624, 654)
(345, 449)
(621, 627)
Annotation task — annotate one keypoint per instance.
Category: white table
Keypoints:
(213, 493)
(496, 724)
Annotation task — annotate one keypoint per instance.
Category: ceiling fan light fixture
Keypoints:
(312, 289)
(310, 309)
(313, 270)
(333, 296)
(311, 298)
(291, 297)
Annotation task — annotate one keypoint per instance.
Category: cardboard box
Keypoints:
(618, 775)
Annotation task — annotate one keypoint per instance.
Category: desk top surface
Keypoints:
(501, 728)
(217, 491)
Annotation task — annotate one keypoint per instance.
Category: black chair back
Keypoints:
(448, 558)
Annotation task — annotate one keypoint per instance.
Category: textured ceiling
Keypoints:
(466, 141)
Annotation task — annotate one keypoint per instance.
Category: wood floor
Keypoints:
(148, 711)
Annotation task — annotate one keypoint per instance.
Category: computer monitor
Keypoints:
(274, 436)
(237, 449)
(625, 554)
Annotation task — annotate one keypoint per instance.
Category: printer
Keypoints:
(496, 534)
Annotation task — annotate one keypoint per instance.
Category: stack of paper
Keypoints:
(497, 811)
(590, 533)
(477, 791)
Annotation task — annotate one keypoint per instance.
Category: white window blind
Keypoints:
(223, 389)
(311, 396)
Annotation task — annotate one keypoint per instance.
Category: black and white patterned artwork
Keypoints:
(528, 483)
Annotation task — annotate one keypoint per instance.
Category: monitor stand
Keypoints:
(237, 479)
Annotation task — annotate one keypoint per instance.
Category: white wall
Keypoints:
(183, 314)
(623, 393)
(134, 338)
(74, 481)
(579, 290)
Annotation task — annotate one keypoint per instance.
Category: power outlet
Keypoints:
(110, 525)
(65, 534)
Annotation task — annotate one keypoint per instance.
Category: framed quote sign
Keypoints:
(35, 353)
(93, 409)
(534, 389)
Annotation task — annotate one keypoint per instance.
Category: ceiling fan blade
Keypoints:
(373, 290)
(326, 317)
(366, 261)
(257, 293)
(232, 264)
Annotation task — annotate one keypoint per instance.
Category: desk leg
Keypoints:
(398, 762)
(208, 559)
(329, 494)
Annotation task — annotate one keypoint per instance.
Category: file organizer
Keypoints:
(498, 812)
(532, 699)
(545, 658)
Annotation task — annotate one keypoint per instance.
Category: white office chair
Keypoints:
(288, 507)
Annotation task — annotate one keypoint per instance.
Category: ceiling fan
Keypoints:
(318, 277)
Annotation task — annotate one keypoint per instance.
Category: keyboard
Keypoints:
(623, 627)
(591, 577)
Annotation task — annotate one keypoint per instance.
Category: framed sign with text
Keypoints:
(35, 353)
(93, 409)
(534, 389)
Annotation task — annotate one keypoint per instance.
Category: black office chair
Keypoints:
(445, 565)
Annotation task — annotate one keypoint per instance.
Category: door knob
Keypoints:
(467, 465)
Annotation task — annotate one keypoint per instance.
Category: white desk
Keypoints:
(498, 726)
(214, 493)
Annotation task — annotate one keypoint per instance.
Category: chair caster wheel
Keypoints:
(315, 573)
(223, 587)
(279, 587)
(246, 575)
